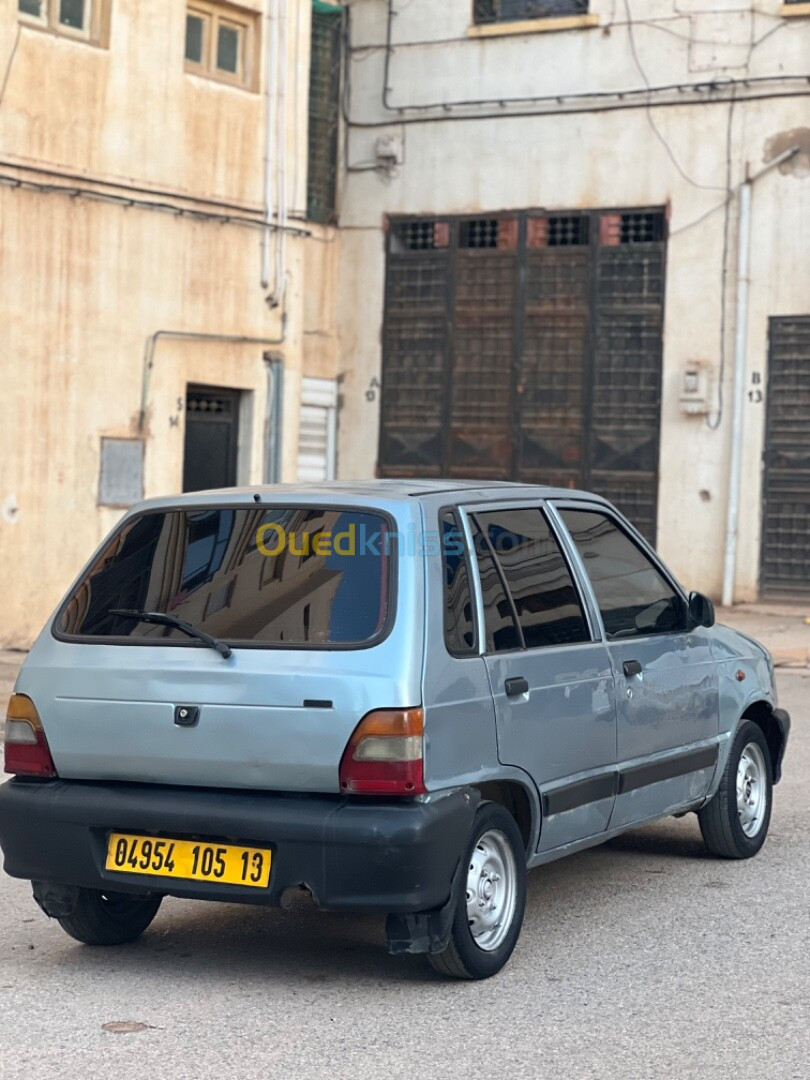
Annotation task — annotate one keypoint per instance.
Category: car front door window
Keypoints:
(634, 597)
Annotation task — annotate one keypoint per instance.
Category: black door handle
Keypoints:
(517, 686)
(631, 667)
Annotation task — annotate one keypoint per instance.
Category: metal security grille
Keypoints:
(324, 112)
(786, 517)
(527, 346)
(211, 439)
(417, 356)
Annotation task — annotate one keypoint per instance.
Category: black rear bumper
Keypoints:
(353, 854)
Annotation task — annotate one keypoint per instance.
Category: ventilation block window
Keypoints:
(495, 11)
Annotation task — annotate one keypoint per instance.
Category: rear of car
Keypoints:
(227, 705)
(398, 699)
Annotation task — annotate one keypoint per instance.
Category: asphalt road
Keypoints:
(643, 958)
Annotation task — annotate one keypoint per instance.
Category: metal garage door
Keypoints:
(786, 512)
(527, 346)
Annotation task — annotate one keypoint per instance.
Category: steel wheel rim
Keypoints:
(491, 890)
(752, 789)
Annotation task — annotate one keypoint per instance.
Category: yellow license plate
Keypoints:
(193, 860)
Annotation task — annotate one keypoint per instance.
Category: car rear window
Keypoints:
(278, 576)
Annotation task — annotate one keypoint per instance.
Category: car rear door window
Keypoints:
(634, 597)
(536, 574)
(500, 619)
(459, 618)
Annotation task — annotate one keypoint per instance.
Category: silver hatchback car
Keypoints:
(397, 695)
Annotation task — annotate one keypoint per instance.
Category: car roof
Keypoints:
(387, 490)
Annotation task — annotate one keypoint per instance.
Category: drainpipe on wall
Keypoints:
(271, 67)
(185, 335)
(273, 417)
(276, 129)
(743, 281)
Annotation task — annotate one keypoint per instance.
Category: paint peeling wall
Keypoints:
(486, 156)
(85, 281)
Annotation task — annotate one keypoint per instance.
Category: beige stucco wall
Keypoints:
(85, 282)
(592, 160)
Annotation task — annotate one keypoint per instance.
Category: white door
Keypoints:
(318, 433)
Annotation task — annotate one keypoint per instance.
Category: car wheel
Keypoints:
(109, 918)
(491, 899)
(735, 823)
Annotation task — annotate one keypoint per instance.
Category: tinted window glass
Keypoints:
(275, 576)
(501, 630)
(228, 49)
(194, 38)
(545, 598)
(71, 13)
(459, 621)
(634, 598)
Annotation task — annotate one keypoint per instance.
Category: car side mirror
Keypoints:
(701, 610)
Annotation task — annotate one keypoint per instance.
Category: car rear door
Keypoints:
(666, 677)
(551, 678)
(322, 615)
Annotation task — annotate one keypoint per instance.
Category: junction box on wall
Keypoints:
(694, 397)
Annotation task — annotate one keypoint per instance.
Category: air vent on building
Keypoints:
(567, 230)
(645, 228)
(421, 235)
(210, 404)
(479, 233)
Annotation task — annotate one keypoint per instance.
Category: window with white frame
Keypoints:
(74, 18)
(221, 43)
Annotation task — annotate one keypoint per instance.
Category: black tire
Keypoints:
(719, 820)
(464, 958)
(102, 918)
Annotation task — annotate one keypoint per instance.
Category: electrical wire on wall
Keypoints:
(10, 63)
(631, 37)
(714, 424)
(758, 88)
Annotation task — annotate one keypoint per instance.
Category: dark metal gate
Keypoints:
(527, 346)
(212, 435)
(786, 511)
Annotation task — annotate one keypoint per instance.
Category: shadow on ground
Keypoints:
(211, 944)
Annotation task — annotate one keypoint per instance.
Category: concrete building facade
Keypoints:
(557, 240)
(542, 215)
(164, 293)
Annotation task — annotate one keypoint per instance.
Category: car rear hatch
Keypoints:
(323, 616)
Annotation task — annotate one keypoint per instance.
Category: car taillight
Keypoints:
(26, 748)
(385, 754)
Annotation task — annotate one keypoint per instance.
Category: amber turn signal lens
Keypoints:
(21, 707)
(384, 756)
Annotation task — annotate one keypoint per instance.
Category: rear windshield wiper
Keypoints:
(160, 618)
